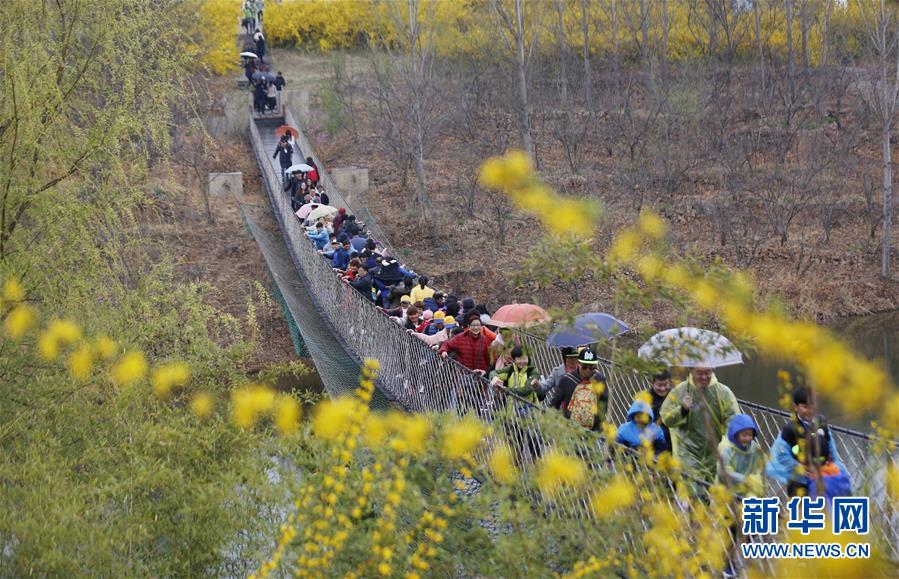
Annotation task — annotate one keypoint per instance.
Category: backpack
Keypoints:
(583, 406)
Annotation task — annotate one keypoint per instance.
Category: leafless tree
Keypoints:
(883, 35)
(407, 89)
(343, 88)
(519, 33)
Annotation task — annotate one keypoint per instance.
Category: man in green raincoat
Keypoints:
(697, 412)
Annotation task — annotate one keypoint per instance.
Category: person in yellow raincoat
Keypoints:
(697, 412)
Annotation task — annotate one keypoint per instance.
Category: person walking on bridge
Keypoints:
(259, 39)
(249, 17)
(472, 347)
(697, 412)
(284, 154)
(552, 383)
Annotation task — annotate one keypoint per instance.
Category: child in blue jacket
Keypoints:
(640, 428)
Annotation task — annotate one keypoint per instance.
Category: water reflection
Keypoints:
(876, 336)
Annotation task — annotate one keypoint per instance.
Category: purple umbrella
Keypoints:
(586, 329)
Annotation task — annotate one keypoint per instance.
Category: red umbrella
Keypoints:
(284, 129)
(512, 315)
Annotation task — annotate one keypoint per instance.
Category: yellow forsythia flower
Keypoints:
(556, 470)
(625, 246)
(13, 290)
(21, 319)
(643, 396)
(375, 430)
(130, 368)
(332, 417)
(48, 346)
(619, 494)
(461, 438)
(249, 402)
(106, 347)
(650, 266)
(81, 362)
(414, 431)
(59, 332)
(167, 376)
(507, 171)
(372, 365)
(65, 331)
(287, 415)
(202, 404)
(651, 224)
(705, 295)
(610, 431)
(502, 467)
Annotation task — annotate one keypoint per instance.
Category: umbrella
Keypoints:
(299, 167)
(586, 329)
(690, 348)
(304, 210)
(512, 315)
(285, 129)
(264, 76)
(248, 55)
(320, 211)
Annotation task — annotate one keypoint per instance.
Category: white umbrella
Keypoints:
(248, 55)
(299, 167)
(690, 348)
(320, 211)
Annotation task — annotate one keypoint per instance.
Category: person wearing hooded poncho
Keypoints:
(697, 412)
(640, 428)
(806, 445)
(742, 459)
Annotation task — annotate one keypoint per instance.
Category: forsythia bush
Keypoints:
(215, 32)
(469, 26)
(320, 24)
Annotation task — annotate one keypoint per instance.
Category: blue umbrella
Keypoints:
(586, 329)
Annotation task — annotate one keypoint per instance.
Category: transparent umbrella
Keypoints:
(690, 347)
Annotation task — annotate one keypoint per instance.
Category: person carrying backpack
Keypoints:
(582, 395)
(520, 377)
(804, 457)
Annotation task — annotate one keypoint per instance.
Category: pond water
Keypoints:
(876, 336)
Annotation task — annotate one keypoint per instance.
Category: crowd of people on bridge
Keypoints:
(266, 85)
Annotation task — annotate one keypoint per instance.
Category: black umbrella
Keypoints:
(264, 76)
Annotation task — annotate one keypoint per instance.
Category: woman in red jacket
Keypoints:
(471, 347)
(312, 175)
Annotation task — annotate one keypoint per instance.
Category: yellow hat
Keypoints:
(439, 315)
(449, 321)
